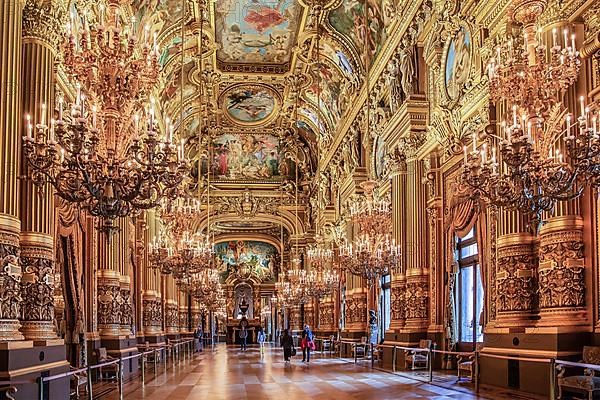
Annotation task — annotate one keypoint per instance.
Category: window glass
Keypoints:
(469, 291)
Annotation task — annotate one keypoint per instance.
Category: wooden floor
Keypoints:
(228, 373)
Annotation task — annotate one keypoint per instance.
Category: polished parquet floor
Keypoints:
(227, 373)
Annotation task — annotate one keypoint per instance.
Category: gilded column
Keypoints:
(326, 314)
(398, 281)
(126, 249)
(417, 278)
(183, 312)
(10, 122)
(171, 308)
(41, 33)
(516, 282)
(109, 285)
(152, 314)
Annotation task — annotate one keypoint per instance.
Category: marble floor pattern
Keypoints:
(227, 373)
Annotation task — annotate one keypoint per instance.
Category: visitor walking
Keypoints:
(244, 338)
(261, 338)
(288, 345)
(307, 343)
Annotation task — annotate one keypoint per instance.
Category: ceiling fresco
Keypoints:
(256, 32)
(230, 96)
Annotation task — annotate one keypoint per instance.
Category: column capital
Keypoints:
(44, 22)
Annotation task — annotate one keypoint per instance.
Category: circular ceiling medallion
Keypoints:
(250, 104)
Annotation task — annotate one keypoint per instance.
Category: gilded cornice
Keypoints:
(43, 22)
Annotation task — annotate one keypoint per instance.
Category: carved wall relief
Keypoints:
(110, 308)
(398, 304)
(562, 267)
(10, 278)
(326, 311)
(516, 282)
(152, 315)
(416, 300)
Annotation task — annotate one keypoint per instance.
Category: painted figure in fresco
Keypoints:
(458, 62)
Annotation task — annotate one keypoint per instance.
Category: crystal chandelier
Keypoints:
(104, 153)
(372, 253)
(528, 172)
(583, 144)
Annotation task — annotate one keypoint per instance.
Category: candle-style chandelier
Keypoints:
(529, 77)
(372, 253)
(105, 154)
(180, 251)
(321, 280)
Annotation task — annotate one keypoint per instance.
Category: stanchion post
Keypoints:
(155, 361)
(430, 364)
(394, 355)
(41, 387)
(372, 356)
(476, 371)
(552, 391)
(120, 377)
(143, 358)
(89, 382)
(355, 353)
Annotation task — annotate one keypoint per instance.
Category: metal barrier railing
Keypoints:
(175, 349)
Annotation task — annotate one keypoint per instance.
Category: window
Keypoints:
(385, 300)
(469, 290)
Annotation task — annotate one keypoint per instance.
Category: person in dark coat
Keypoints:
(288, 344)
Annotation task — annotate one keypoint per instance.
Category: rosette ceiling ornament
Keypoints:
(372, 253)
(104, 152)
(522, 165)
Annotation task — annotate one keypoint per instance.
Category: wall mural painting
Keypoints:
(247, 157)
(348, 19)
(256, 31)
(312, 117)
(261, 257)
(249, 104)
(171, 91)
(339, 58)
(458, 62)
(155, 13)
(327, 85)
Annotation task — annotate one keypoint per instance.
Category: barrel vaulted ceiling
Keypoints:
(254, 76)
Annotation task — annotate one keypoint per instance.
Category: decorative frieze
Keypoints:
(561, 272)
(152, 315)
(126, 306)
(326, 315)
(37, 286)
(10, 278)
(416, 298)
(171, 317)
(398, 304)
(516, 282)
(110, 312)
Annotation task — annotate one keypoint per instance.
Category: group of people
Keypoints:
(307, 343)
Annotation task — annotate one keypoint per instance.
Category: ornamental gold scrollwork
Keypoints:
(126, 307)
(152, 312)
(109, 305)
(515, 279)
(10, 278)
(562, 270)
(37, 287)
(417, 299)
(43, 20)
(398, 306)
(171, 316)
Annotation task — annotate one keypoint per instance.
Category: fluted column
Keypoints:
(417, 280)
(183, 312)
(398, 279)
(171, 308)
(41, 32)
(152, 314)
(10, 122)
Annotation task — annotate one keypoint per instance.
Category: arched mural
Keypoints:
(259, 258)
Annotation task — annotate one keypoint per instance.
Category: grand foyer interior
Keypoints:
(406, 174)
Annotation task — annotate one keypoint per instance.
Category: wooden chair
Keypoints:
(588, 382)
(112, 368)
(418, 359)
(150, 357)
(359, 350)
(466, 365)
(78, 380)
(327, 344)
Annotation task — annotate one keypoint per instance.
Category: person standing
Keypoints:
(243, 339)
(261, 338)
(288, 344)
(307, 343)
